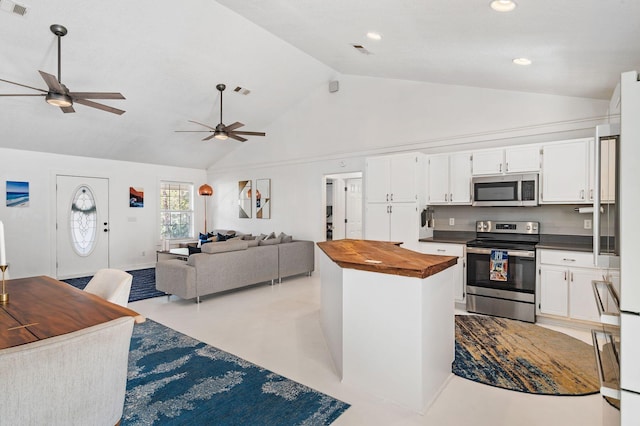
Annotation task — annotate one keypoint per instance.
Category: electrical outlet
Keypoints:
(452, 221)
(587, 224)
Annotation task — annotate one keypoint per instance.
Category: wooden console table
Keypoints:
(42, 307)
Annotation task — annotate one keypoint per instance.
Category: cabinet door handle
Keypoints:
(387, 197)
(392, 197)
(591, 194)
(571, 276)
(446, 196)
(451, 197)
(566, 259)
(582, 194)
(390, 209)
(500, 169)
(506, 169)
(565, 275)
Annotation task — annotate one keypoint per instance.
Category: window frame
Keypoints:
(190, 186)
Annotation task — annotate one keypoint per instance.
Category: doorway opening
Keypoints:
(343, 206)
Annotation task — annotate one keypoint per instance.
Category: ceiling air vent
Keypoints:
(360, 48)
(242, 90)
(13, 7)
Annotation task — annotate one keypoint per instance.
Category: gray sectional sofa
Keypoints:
(233, 264)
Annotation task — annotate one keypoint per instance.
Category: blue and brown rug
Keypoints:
(177, 380)
(523, 357)
(143, 285)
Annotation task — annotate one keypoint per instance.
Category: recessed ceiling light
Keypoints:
(503, 5)
(522, 61)
(374, 36)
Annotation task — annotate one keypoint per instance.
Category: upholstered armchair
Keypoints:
(113, 285)
(78, 378)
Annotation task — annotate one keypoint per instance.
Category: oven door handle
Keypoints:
(514, 253)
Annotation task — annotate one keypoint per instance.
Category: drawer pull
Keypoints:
(568, 260)
(441, 250)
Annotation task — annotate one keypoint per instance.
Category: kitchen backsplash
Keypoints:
(554, 219)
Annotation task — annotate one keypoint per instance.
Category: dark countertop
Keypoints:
(547, 241)
(385, 257)
(450, 237)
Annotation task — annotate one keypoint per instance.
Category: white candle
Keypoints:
(3, 253)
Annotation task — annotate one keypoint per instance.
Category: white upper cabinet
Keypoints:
(565, 172)
(449, 178)
(488, 162)
(392, 178)
(522, 159)
(519, 159)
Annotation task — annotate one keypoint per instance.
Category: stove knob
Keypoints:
(528, 227)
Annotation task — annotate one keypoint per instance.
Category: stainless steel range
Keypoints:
(501, 269)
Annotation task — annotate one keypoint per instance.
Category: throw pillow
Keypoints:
(248, 237)
(285, 238)
(270, 242)
(270, 236)
(224, 237)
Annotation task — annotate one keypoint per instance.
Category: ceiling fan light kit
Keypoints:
(59, 95)
(59, 99)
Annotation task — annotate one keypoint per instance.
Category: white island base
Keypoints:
(392, 336)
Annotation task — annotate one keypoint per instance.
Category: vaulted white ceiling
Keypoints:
(167, 57)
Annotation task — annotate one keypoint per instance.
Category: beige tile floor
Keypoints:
(277, 327)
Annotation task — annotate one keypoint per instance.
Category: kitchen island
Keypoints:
(388, 316)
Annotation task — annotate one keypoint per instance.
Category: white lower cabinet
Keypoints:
(460, 269)
(565, 284)
(397, 222)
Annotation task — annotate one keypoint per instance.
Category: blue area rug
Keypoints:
(177, 380)
(523, 357)
(143, 285)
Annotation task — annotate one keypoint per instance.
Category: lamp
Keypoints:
(59, 99)
(205, 191)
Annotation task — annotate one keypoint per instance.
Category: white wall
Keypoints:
(30, 231)
(334, 132)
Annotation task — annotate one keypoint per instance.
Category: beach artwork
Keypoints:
(17, 194)
(136, 197)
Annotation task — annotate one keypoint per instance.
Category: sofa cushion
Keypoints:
(253, 243)
(221, 247)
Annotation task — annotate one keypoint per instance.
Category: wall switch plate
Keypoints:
(452, 221)
(587, 224)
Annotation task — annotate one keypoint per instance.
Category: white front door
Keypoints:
(82, 224)
(353, 203)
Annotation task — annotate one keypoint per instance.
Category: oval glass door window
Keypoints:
(84, 221)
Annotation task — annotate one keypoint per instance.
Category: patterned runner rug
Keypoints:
(175, 380)
(524, 357)
(143, 285)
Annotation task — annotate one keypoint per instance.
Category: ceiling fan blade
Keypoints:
(251, 133)
(233, 126)
(205, 125)
(99, 106)
(96, 95)
(193, 131)
(68, 109)
(209, 137)
(22, 85)
(52, 82)
(35, 94)
(236, 137)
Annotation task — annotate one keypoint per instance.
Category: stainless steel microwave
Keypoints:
(505, 190)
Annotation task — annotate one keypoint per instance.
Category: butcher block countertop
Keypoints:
(385, 257)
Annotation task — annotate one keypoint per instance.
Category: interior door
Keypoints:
(353, 201)
(82, 224)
